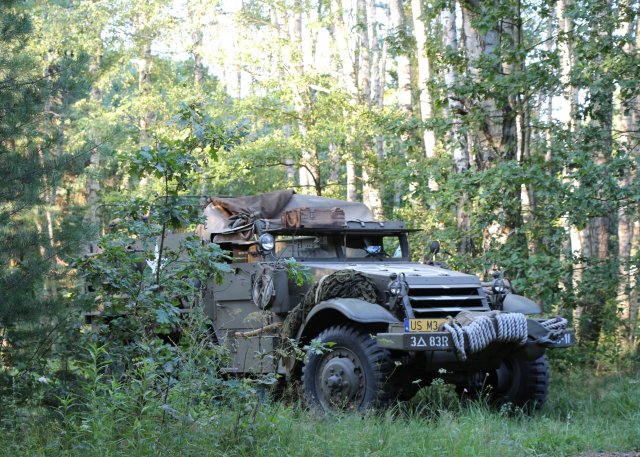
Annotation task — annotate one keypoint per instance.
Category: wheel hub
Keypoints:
(341, 380)
(505, 376)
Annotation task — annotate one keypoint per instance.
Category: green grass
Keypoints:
(585, 413)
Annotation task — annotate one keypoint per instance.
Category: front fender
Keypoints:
(353, 309)
(356, 310)
(518, 304)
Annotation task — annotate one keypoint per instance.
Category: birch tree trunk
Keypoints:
(424, 76)
(363, 69)
(363, 54)
(342, 43)
(478, 45)
(367, 38)
(281, 54)
(497, 135)
(373, 183)
(625, 215)
(51, 251)
(634, 272)
(513, 136)
(549, 108)
(50, 190)
(143, 29)
(600, 235)
(568, 60)
(456, 141)
(400, 29)
(195, 13)
(309, 171)
(144, 87)
(349, 78)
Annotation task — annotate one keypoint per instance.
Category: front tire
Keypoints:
(522, 382)
(351, 375)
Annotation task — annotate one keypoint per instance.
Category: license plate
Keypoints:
(428, 341)
(423, 325)
(566, 340)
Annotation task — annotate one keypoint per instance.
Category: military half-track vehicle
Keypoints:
(375, 325)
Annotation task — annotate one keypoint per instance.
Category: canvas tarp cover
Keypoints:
(232, 218)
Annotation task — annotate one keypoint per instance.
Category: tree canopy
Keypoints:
(507, 130)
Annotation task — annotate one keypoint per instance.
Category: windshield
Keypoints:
(342, 246)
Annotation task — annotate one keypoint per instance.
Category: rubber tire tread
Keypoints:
(378, 388)
(538, 386)
(533, 386)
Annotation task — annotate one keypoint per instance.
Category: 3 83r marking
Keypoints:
(429, 341)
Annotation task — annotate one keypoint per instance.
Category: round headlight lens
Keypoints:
(395, 288)
(266, 242)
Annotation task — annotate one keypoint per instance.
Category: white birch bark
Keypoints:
(424, 76)
(403, 63)
(349, 77)
(308, 172)
(399, 27)
(634, 305)
(625, 218)
(456, 141)
(567, 117)
(373, 186)
(478, 44)
(342, 43)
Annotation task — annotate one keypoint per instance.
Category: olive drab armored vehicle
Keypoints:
(321, 275)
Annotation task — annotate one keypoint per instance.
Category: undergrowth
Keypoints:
(153, 413)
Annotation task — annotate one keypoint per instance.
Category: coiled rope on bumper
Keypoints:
(511, 327)
(554, 324)
(472, 333)
(483, 330)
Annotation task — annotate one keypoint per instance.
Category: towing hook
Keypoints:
(404, 286)
(398, 287)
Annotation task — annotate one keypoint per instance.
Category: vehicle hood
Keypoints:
(415, 273)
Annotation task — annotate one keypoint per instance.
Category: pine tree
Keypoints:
(26, 254)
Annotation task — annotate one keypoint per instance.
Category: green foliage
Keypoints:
(143, 276)
(97, 85)
(35, 241)
(585, 413)
(298, 273)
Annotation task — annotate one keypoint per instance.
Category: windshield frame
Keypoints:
(339, 241)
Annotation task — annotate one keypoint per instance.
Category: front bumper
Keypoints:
(442, 341)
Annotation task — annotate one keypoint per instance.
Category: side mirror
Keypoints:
(434, 247)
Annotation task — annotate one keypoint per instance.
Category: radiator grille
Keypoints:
(439, 299)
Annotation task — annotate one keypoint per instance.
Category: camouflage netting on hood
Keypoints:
(343, 283)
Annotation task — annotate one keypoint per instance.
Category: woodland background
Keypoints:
(506, 129)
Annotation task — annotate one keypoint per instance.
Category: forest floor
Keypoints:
(587, 415)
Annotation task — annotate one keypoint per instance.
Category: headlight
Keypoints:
(395, 288)
(498, 286)
(266, 242)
